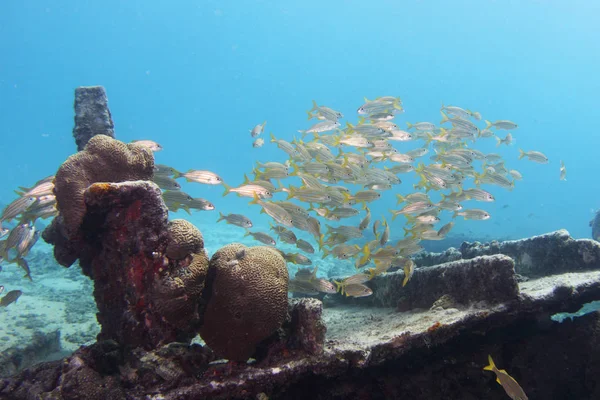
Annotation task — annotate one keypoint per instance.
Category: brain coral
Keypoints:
(104, 159)
(184, 239)
(176, 295)
(248, 299)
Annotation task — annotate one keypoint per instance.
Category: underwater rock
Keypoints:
(247, 300)
(548, 254)
(41, 346)
(92, 115)
(488, 278)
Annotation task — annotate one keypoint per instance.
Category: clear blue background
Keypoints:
(197, 75)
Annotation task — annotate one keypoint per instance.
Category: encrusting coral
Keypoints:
(247, 301)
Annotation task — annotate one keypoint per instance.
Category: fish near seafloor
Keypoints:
(11, 297)
(510, 385)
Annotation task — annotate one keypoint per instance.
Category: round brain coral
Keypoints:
(184, 239)
(177, 294)
(104, 159)
(248, 299)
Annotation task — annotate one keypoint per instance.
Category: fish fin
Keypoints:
(337, 140)
(488, 124)
(294, 170)
(187, 209)
(498, 141)
(361, 120)
(227, 189)
(247, 233)
(492, 366)
(401, 199)
(339, 287)
(409, 125)
(273, 139)
(315, 107)
(521, 152)
(255, 199)
(321, 237)
(221, 216)
(406, 276)
(444, 117)
(366, 254)
(291, 191)
(246, 179)
(394, 214)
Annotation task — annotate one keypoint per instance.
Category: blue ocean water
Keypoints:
(196, 76)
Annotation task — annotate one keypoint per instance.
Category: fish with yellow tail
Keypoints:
(510, 385)
(409, 270)
(355, 289)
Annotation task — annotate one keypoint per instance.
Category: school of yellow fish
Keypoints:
(332, 173)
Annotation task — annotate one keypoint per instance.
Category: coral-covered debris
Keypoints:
(548, 254)
(369, 353)
(247, 301)
(488, 278)
(92, 116)
(306, 327)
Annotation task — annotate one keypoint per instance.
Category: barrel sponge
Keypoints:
(177, 294)
(184, 239)
(247, 302)
(104, 159)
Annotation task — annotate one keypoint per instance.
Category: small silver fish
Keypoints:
(258, 129)
(149, 144)
(534, 156)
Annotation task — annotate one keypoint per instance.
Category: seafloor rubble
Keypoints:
(156, 289)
